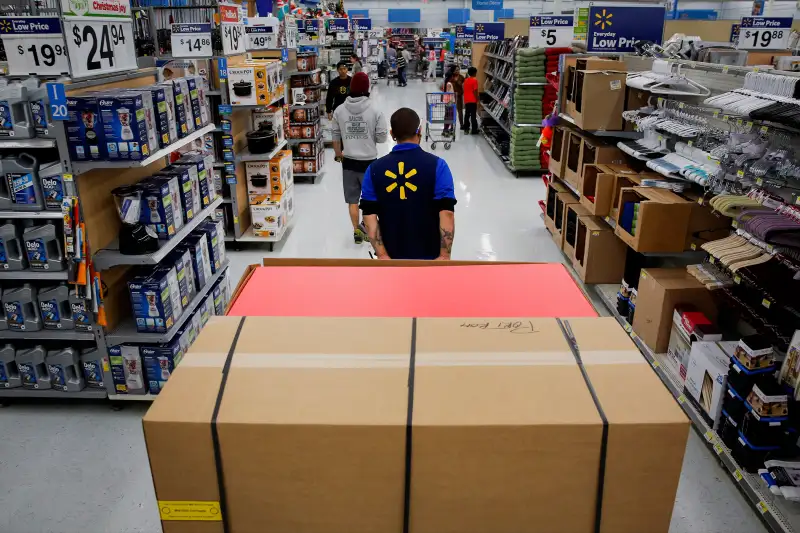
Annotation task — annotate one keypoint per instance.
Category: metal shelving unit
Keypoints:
(603, 133)
(48, 334)
(85, 394)
(17, 144)
(33, 275)
(54, 215)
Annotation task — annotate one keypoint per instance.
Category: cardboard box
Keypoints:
(657, 219)
(569, 229)
(599, 99)
(312, 429)
(705, 224)
(573, 64)
(597, 186)
(660, 290)
(553, 189)
(706, 376)
(583, 150)
(599, 256)
(635, 99)
(558, 151)
(561, 201)
(688, 326)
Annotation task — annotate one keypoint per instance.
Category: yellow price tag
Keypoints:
(756, 69)
(681, 105)
(105, 365)
(235, 220)
(740, 173)
(735, 223)
(718, 449)
(797, 200)
(762, 507)
(715, 114)
(766, 303)
(737, 279)
(627, 328)
(737, 475)
(693, 246)
(656, 364)
(748, 125)
(725, 69)
(738, 122)
(67, 177)
(700, 200)
(764, 129)
(690, 143)
(192, 510)
(759, 181)
(660, 100)
(709, 436)
(681, 399)
(660, 137)
(725, 118)
(711, 259)
(634, 336)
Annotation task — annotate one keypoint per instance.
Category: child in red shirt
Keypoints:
(471, 101)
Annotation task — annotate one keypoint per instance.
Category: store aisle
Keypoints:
(82, 468)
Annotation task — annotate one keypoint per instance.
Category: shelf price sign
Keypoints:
(191, 40)
(34, 45)
(764, 33)
(99, 36)
(233, 39)
(489, 31)
(261, 37)
(548, 31)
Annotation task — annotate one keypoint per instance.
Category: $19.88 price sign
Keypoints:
(191, 40)
(34, 45)
(99, 45)
(550, 31)
(764, 33)
(233, 39)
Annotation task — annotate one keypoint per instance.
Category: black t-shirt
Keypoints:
(337, 93)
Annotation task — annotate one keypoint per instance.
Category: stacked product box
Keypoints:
(255, 82)
(270, 192)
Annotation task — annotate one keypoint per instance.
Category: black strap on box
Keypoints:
(215, 434)
(409, 425)
(573, 345)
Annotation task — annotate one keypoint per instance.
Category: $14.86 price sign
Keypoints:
(98, 45)
(764, 33)
(34, 45)
(550, 31)
(233, 39)
(191, 40)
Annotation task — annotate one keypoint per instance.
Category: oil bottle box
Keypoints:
(85, 129)
(126, 369)
(152, 303)
(159, 362)
(124, 126)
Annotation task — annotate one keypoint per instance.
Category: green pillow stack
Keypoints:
(523, 152)
(528, 104)
(530, 65)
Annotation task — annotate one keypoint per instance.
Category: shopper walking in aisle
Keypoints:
(338, 89)
(471, 101)
(356, 62)
(403, 58)
(455, 79)
(431, 74)
(408, 198)
(357, 127)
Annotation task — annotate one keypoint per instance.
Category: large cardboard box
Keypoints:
(583, 150)
(574, 64)
(490, 421)
(599, 255)
(659, 291)
(597, 186)
(661, 221)
(599, 99)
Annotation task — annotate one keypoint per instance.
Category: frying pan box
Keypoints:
(324, 427)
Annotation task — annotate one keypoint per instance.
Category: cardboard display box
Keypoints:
(660, 291)
(583, 150)
(599, 255)
(706, 376)
(573, 64)
(562, 200)
(558, 151)
(553, 190)
(599, 99)
(312, 428)
(569, 230)
(597, 186)
(661, 219)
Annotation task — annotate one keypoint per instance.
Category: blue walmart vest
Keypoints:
(404, 183)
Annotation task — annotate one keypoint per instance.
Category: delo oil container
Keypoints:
(55, 307)
(15, 114)
(44, 248)
(65, 370)
(12, 249)
(33, 369)
(22, 187)
(22, 308)
(9, 373)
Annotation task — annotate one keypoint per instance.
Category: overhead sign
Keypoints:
(617, 28)
(95, 8)
(464, 32)
(764, 33)
(339, 25)
(489, 31)
(233, 39)
(487, 5)
(362, 24)
(100, 45)
(34, 45)
(191, 40)
(549, 31)
(261, 37)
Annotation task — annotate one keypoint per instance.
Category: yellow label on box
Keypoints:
(67, 177)
(709, 436)
(762, 507)
(765, 303)
(737, 475)
(681, 399)
(718, 449)
(177, 510)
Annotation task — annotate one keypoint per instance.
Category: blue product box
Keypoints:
(124, 125)
(183, 99)
(159, 362)
(182, 263)
(152, 302)
(202, 166)
(197, 322)
(200, 257)
(163, 114)
(179, 108)
(168, 270)
(209, 230)
(85, 129)
(187, 334)
(175, 196)
(126, 369)
(194, 99)
(206, 310)
(218, 292)
(157, 209)
(189, 188)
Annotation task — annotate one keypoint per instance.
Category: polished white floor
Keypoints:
(82, 468)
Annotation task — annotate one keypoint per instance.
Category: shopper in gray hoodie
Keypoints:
(357, 127)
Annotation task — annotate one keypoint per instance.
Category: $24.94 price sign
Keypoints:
(764, 33)
(233, 39)
(191, 40)
(100, 45)
(550, 31)
(34, 45)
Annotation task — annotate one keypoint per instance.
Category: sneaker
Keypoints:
(363, 228)
(359, 236)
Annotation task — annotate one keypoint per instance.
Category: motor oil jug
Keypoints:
(52, 186)
(65, 370)
(33, 369)
(15, 114)
(93, 364)
(22, 186)
(44, 247)
(39, 103)
(3, 321)
(9, 373)
(81, 316)
(12, 250)
(55, 308)
(22, 308)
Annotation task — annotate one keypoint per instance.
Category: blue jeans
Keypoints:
(401, 74)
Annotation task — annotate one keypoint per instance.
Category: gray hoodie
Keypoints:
(360, 126)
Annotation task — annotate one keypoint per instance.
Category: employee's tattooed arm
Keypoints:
(374, 235)
(447, 230)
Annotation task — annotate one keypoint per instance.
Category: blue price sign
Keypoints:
(226, 125)
(230, 168)
(284, 55)
(222, 66)
(58, 101)
(616, 29)
(227, 154)
(464, 32)
(489, 31)
(230, 180)
(339, 25)
(227, 141)
(225, 109)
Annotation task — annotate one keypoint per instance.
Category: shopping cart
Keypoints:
(441, 111)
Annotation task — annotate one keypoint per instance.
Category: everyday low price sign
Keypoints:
(489, 31)
(551, 31)
(764, 33)
(464, 32)
(339, 26)
(362, 24)
(34, 45)
(191, 40)
(617, 28)
(233, 39)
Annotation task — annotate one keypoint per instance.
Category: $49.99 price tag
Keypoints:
(233, 39)
(34, 45)
(550, 31)
(764, 33)
(99, 45)
(261, 37)
(191, 40)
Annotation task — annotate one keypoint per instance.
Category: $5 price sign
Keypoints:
(100, 45)
(233, 39)
(550, 31)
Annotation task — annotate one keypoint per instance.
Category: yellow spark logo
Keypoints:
(400, 169)
(603, 19)
(479, 27)
(5, 26)
(535, 21)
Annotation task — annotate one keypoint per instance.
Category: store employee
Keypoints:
(407, 197)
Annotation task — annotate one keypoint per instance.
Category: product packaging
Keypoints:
(126, 369)
(159, 362)
(152, 301)
(123, 115)
(85, 129)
